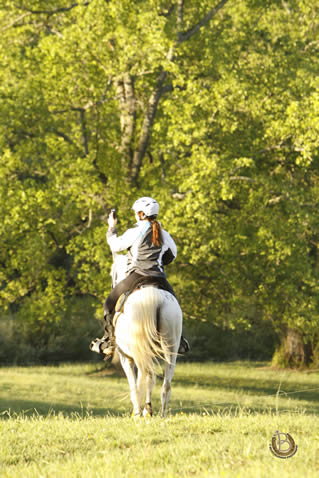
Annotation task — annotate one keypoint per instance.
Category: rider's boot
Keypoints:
(105, 345)
(183, 346)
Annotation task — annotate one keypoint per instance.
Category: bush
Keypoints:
(212, 342)
(66, 340)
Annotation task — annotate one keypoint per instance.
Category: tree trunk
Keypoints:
(128, 108)
(293, 351)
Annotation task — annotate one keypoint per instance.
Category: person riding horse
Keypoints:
(150, 247)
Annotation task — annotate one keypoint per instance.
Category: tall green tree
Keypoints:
(81, 87)
(209, 106)
(248, 208)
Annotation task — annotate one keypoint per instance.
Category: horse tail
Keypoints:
(149, 346)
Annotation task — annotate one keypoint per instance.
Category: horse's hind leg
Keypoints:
(130, 372)
(166, 388)
(150, 382)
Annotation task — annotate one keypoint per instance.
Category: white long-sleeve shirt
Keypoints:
(144, 257)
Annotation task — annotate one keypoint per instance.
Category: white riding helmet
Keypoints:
(149, 206)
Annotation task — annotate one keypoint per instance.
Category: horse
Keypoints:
(148, 328)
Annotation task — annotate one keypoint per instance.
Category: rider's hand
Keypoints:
(111, 220)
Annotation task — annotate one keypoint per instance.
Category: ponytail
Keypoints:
(157, 233)
(156, 229)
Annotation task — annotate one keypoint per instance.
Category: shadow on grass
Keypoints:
(306, 391)
(247, 396)
(254, 389)
(235, 409)
(32, 408)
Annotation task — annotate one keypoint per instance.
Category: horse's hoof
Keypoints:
(136, 416)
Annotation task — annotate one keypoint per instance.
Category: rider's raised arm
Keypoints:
(121, 243)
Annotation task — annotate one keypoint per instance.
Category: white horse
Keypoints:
(148, 328)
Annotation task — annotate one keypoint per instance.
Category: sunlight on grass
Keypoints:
(74, 420)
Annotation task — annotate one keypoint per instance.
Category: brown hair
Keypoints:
(156, 229)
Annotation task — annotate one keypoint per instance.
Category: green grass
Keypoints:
(74, 421)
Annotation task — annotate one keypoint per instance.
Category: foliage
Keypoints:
(66, 339)
(211, 109)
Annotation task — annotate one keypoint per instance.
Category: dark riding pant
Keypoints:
(131, 282)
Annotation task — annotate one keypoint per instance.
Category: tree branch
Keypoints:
(85, 141)
(168, 12)
(147, 126)
(162, 163)
(184, 36)
(159, 90)
(15, 21)
(89, 104)
(125, 90)
(56, 10)
(62, 135)
(29, 134)
(180, 14)
(108, 86)
(242, 178)
(84, 133)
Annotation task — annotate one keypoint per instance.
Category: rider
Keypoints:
(149, 248)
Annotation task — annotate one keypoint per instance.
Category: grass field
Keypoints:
(74, 421)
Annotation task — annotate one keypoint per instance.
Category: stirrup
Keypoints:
(103, 346)
(95, 345)
(183, 346)
(107, 348)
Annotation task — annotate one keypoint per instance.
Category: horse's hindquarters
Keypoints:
(169, 321)
(122, 335)
(151, 317)
(149, 328)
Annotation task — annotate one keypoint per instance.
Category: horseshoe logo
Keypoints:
(283, 448)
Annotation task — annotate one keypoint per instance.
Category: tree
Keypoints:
(210, 108)
(81, 114)
(248, 206)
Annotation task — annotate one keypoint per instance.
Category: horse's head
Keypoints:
(119, 266)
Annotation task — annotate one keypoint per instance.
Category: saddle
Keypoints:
(119, 307)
